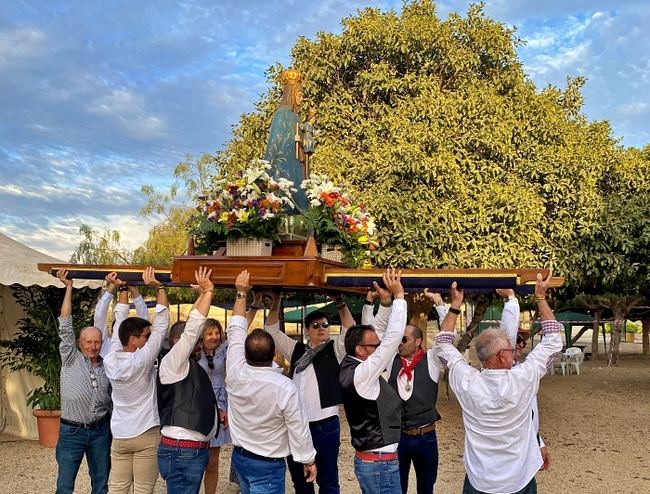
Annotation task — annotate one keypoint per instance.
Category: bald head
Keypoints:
(90, 342)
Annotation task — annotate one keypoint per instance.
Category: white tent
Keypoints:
(18, 266)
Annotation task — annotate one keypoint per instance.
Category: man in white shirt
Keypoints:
(266, 420)
(501, 450)
(187, 404)
(315, 372)
(414, 374)
(372, 406)
(130, 366)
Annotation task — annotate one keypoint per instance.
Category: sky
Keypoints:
(98, 98)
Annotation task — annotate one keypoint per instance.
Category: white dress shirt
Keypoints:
(265, 415)
(501, 450)
(175, 366)
(306, 381)
(101, 311)
(133, 377)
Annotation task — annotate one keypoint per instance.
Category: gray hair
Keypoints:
(489, 342)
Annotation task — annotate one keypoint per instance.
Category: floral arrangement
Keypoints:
(336, 220)
(251, 206)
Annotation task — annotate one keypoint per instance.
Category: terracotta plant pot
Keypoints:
(48, 422)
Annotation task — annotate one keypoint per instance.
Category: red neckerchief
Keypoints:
(407, 369)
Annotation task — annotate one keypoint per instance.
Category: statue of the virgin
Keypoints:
(284, 150)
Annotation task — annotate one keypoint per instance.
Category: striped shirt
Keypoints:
(85, 390)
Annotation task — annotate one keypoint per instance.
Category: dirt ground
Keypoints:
(595, 426)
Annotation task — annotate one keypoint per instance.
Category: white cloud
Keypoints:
(636, 108)
(19, 45)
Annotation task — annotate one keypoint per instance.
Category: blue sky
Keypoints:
(98, 98)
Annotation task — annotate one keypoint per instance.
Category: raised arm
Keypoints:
(175, 364)
(148, 354)
(380, 320)
(103, 304)
(68, 345)
(368, 371)
(510, 315)
(543, 354)
(237, 326)
(258, 303)
(347, 321)
(140, 305)
(444, 348)
(283, 343)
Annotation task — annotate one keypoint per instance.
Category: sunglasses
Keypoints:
(318, 325)
(404, 339)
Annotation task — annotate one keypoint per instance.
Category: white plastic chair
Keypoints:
(560, 362)
(574, 358)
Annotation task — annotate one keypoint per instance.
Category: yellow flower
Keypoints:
(224, 217)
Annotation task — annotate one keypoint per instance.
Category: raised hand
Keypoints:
(435, 297)
(62, 275)
(505, 292)
(202, 276)
(149, 277)
(457, 295)
(393, 281)
(242, 282)
(541, 285)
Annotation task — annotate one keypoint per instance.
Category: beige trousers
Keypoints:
(134, 462)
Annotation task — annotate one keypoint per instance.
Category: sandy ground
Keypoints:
(595, 426)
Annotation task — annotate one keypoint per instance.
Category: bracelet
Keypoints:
(161, 287)
(540, 298)
(368, 302)
(255, 307)
(208, 291)
(453, 310)
(123, 288)
(241, 295)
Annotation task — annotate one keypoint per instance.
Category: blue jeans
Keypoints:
(182, 468)
(423, 452)
(258, 475)
(531, 488)
(326, 436)
(74, 443)
(378, 477)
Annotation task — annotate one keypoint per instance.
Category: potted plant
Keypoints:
(343, 229)
(251, 207)
(35, 348)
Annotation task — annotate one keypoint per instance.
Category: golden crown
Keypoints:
(291, 76)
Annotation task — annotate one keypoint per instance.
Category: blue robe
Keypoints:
(281, 152)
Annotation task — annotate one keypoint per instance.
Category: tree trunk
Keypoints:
(614, 343)
(594, 336)
(646, 335)
(480, 306)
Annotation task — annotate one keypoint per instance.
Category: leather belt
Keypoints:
(81, 425)
(184, 443)
(365, 456)
(418, 431)
(255, 456)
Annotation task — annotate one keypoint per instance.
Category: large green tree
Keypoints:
(436, 127)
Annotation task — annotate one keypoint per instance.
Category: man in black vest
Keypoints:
(314, 370)
(372, 406)
(186, 403)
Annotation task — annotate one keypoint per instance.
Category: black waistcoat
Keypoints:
(189, 403)
(373, 423)
(420, 408)
(326, 367)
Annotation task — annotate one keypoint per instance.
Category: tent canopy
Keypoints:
(18, 266)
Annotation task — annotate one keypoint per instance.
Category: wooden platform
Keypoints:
(296, 266)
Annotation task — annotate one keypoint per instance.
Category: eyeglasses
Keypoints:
(520, 341)
(373, 345)
(505, 350)
(318, 325)
(210, 361)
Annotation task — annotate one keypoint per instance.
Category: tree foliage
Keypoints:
(99, 248)
(436, 127)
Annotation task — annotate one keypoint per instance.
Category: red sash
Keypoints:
(407, 369)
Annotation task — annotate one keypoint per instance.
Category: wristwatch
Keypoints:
(241, 295)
